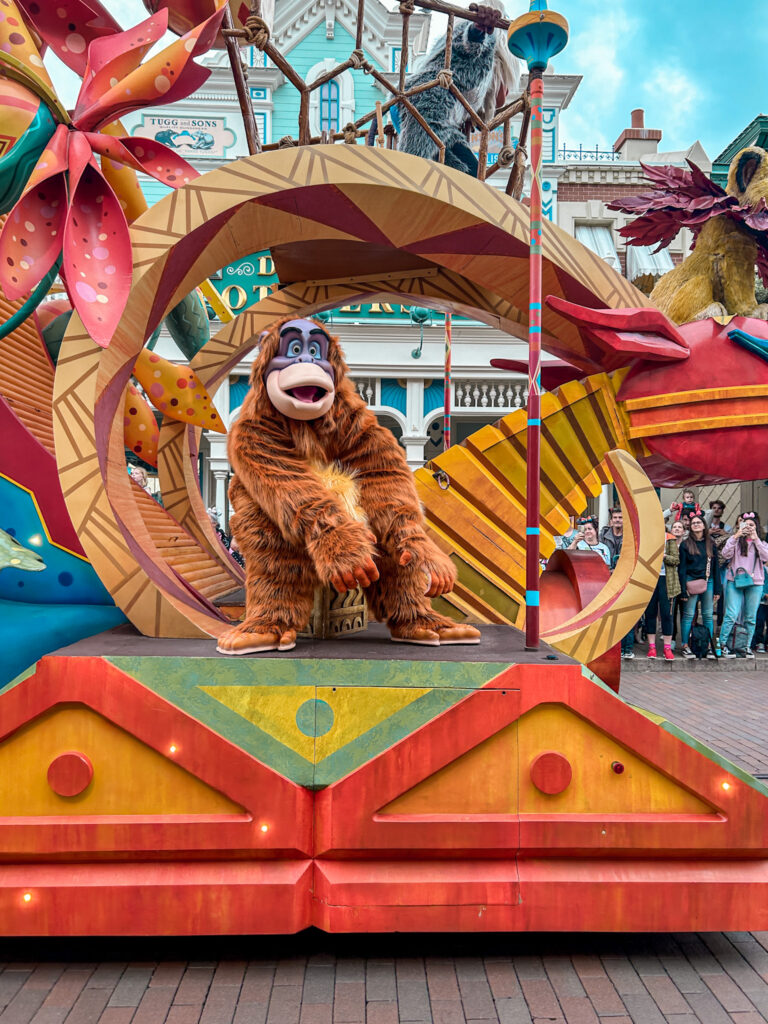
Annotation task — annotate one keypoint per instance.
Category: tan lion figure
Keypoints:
(731, 236)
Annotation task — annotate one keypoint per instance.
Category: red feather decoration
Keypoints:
(688, 199)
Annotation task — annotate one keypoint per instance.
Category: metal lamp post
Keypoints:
(535, 37)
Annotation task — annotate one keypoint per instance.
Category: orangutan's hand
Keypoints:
(343, 557)
(359, 576)
(420, 554)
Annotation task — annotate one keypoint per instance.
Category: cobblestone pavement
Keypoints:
(724, 707)
(429, 979)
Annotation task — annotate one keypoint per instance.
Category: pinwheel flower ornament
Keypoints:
(68, 207)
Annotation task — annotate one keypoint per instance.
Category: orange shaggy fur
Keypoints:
(295, 532)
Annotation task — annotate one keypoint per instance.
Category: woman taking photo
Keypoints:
(586, 539)
(744, 554)
(699, 579)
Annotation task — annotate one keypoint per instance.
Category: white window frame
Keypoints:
(346, 85)
(263, 120)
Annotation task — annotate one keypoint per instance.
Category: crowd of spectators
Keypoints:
(711, 598)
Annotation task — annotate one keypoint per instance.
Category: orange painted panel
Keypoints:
(482, 781)
(128, 776)
(154, 898)
(595, 787)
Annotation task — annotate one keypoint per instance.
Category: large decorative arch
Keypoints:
(343, 223)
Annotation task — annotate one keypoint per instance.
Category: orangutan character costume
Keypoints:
(322, 494)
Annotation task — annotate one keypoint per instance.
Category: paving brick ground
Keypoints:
(725, 707)
(317, 979)
(429, 979)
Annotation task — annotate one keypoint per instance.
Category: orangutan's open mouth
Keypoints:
(308, 393)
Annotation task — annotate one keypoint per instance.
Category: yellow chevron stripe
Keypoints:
(702, 423)
(700, 395)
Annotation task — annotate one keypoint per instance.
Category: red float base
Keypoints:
(465, 790)
(270, 898)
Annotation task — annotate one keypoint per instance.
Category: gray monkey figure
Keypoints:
(484, 72)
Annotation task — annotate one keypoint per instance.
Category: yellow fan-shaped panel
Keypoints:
(129, 777)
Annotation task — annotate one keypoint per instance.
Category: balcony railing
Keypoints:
(489, 394)
(571, 155)
(468, 394)
(369, 389)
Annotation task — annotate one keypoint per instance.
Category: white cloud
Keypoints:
(601, 49)
(676, 96)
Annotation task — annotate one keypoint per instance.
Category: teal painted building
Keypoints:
(337, 102)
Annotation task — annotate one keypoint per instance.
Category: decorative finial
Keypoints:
(537, 36)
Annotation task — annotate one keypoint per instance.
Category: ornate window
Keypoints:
(333, 104)
(329, 106)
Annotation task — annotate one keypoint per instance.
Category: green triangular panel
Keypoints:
(191, 683)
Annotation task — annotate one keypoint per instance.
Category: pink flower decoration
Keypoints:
(68, 205)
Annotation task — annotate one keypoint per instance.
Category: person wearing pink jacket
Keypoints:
(744, 554)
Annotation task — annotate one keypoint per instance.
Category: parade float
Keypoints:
(152, 785)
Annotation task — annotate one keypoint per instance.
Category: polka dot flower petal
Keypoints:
(30, 241)
(169, 76)
(67, 204)
(141, 432)
(176, 391)
(16, 41)
(68, 26)
(145, 155)
(98, 265)
(112, 58)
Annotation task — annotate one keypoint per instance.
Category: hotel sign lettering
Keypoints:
(253, 278)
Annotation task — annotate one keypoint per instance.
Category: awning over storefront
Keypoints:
(599, 238)
(641, 260)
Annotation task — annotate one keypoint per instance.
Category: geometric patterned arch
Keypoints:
(339, 220)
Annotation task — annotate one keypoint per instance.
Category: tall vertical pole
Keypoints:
(533, 430)
(241, 85)
(535, 37)
(447, 385)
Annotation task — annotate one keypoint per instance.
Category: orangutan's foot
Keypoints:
(458, 633)
(413, 633)
(431, 633)
(254, 640)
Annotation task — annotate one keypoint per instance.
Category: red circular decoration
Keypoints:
(551, 772)
(70, 773)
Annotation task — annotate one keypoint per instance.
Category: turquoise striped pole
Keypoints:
(535, 37)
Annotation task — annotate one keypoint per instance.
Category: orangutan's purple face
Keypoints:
(300, 380)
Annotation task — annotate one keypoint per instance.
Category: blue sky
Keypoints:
(697, 67)
(699, 70)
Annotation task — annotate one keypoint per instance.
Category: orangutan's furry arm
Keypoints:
(388, 494)
(284, 485)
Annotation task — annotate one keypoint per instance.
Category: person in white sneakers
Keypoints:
(744, 555)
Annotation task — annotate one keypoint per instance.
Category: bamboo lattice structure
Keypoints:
(256, 33)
